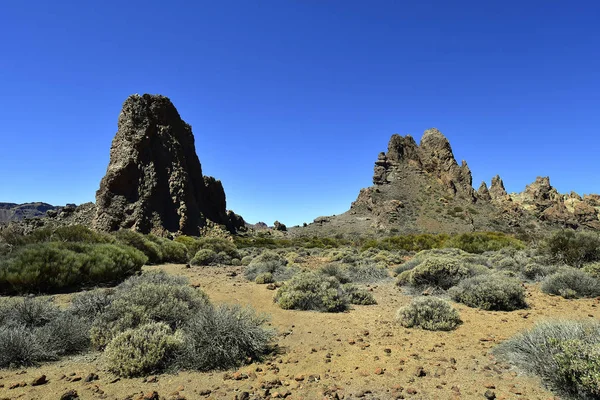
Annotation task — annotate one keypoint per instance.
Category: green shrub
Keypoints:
(272, 263)
(151, 297)
(430, 313)
(439, 272)
(205, 257)
(170, 250)
(490, 292)
(593, 269)
(480, 242)
(579, 365)
(565, 354)
(50, 267)
(224, 337)
(572, 248)
(265, 277)
(358, 296)
(312, 291)
(216, 244)
(572, 283)
(246, 260)
(475, 242)
(142, 243)
(146, 349)
(78, 233)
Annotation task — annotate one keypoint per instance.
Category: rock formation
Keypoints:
(433, 156)
(154, 180)
(421, 188)
(497, 190)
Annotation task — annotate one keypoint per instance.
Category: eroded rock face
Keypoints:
(483, 193)
(497, 190)
(154, 180)
(433, 156)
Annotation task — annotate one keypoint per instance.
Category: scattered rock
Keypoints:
(40, 380)
(69, 395)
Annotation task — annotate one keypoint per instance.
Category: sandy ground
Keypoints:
(362, 353)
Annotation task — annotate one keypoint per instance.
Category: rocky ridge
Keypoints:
(422, 188)
(10, 212)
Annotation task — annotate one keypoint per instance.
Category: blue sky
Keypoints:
(291, 101)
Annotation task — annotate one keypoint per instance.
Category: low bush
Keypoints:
(205, 257)
(572, 247)
(475, 242)
(439, 272)
(151, 297)
(222, 337)
(90, 304)
(170, 250)
(35, 330)
(264, 278)
(358, 296)
(19, 347)
(216, 244)
(143, 350)
(269, 262)
(51, 267)
(490, 292)
(571, 283)
(366, 272)
(312, 291)
(535, 271)
(430, 313)
(565, 354)
(336, 271)
(593, 269)
(142, 243)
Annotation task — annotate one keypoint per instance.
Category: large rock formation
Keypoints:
(433, 156)
(421, 188)
(154, 180)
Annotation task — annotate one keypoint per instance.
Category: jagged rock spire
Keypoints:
(154, 180)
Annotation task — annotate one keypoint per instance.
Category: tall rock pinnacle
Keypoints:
(154, 179)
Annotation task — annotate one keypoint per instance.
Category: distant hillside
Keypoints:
(422, 189)
(16, 212)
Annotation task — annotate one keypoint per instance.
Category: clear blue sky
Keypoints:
(291, 101)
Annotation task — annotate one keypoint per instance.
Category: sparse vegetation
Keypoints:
(50, 267)
(572, 283)
(490, 292)
(145, 349)
(572, 248)
(430, 313)
(272, 263)
(224, 337)
(439, 272)
(311, 291)
(36, 330)
(565, 354)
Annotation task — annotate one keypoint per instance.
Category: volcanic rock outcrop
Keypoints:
(421, 188)
(154, 180)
